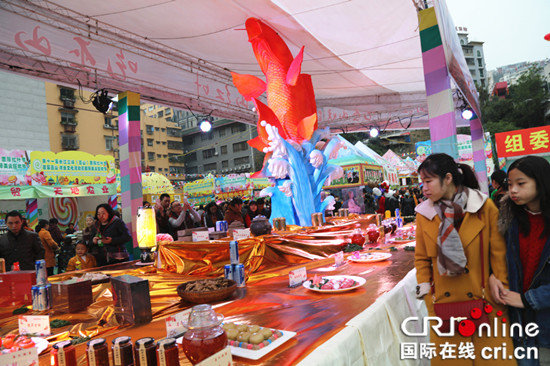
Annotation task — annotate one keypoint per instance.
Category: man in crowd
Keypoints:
(233, 212)
(54, 230)
(392, 202)
(182, 217)
(262, 210)
(20, 245)
(162, 213)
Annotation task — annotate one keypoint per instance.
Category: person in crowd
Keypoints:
(20, 245)
(201, 210)
(233, 212)
(453, 225)
(251, 213)
(212, 214)
(370, 204)
(337, 205)
(183, 216)
(525, 221)
(82, 260)
(350, 203)
(162, 213)
(70, 229)
(146, 204)
(112, 234)
(500, 185)
(407, 207)
(66, 252)
(392, 202)
(381, 201)
(54, 230)
(25, 225)
(224, 206)
(50, 246)
(262, 210)
(89, 232)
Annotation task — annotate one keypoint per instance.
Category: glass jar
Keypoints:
(373, 233)
(123, 351)
(145, 352)
(63, 354)
(357, 237)
(167, 353)
(97, 352)
(205, 336)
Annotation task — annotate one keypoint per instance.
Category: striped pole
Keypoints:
(441, 109)
(113, 201)
(478, 148)
(129, 137)
(32, 212)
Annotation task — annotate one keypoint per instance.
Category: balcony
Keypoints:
(69, 126)
(68, 102)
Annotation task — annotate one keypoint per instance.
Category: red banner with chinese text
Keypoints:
(534, 140)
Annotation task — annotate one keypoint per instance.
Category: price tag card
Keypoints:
(222, 358)
(297, 277)
(338, 259)
(211, 230)
(34, 324)
(174, 324)
(24, 357)
(240, 234)
(200, 236)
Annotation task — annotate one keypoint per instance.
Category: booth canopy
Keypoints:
(365, 57)
(154, 183)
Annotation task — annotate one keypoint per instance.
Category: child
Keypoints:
(525, 219)
(81, 260)
(65, 254)
(452, 226)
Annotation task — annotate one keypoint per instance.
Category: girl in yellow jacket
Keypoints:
(452, 226)
(82, 260)
(50, 246)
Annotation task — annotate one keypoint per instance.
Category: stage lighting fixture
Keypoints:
(374, 132)
(468, 114)
(205, 125)
(101, 101)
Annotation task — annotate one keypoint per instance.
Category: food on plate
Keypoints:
(207, 285)
(93, 276)
(14, 343)
(323, 283)
(251, 337)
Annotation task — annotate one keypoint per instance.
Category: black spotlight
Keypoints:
(101, 101)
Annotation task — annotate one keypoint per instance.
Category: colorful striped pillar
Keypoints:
(129, 143)
(478, 148)
(441, 109)
(32, 212)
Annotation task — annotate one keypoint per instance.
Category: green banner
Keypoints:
(27, 192)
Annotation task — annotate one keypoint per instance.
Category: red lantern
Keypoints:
(547, 37)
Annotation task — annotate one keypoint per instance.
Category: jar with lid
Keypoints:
(97, 352)
(205, 336)
(63, 354)
(167, 353)
(123, 351)
(145, 352)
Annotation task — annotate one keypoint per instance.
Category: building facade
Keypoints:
(475, 58)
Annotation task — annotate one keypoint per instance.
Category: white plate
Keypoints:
(370, 257)
(257, 354)
(40, 343)
(360, 282)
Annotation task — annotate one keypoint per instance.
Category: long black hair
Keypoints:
(107, 208)
(499, 176)
(536, 168)
(440, 164)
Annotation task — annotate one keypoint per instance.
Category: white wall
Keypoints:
(23, 114)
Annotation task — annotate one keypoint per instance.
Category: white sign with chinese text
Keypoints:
(297, 276)
(174, 323)
(34, 324)
(200, 236)
(24, 357)
(240, 234)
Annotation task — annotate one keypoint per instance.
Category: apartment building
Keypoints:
(475, 58)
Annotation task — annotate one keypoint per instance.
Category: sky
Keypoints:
(513, 31)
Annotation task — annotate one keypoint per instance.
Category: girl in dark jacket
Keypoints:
(251, 213)
(112, 234)
(212, 213)
(525, 220)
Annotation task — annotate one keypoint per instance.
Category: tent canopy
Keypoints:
(364, 56)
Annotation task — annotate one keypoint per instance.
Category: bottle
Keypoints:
(123, 351)
(99, 242)
(167, 353)
(145, 352)
(63, 354)
(78, 265)
(97, 352)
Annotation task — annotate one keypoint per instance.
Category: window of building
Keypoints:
(211, 166)
(150, 156)
(158, 142)
(478, 53)
(159, 155)
(480, 62)
(164, 155)
(208, 153)
(167, 112)
(160, 114)
(156, 128)
(242, 160)
(238, 128)
(191, 157)
(481, 73)
(68, 118)
(175, 132)
(222, 132)
(175, 145)
(177, 170)
(149, 142)
(149, 129)
(225, 164)
(69, 142)
(240, 146)
(152, 168)
(110, 143)
(164, 142)
(162, 129)
(223, 150)
(65, 93)
(150, 108)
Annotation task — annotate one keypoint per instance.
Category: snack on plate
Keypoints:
(14, 343)
(252, 337)
(322, 283)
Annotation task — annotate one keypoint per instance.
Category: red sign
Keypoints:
(523, 142)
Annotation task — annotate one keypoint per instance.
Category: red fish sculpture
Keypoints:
(290, 97)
